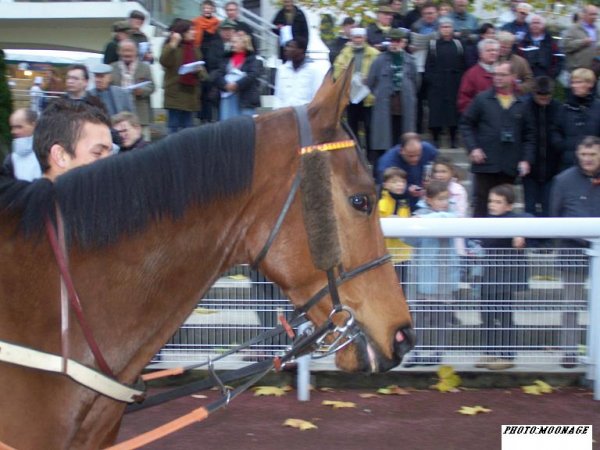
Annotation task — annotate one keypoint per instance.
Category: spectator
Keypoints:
(128, 71)
(393, 81)
(115, 98)
(520, 65)
(136, 21)
(508, 15)
(424, 31)
(486, 31)
(232, 11)
(444, 68)
(544, 110)
(22, 163)
(498, 135)
(398, 20)
(479, 77)
(238, 79)
(579, 116)
(55, 82)
(290, 23)
(413, 156)
(344, 38)
(576, 193)
(77, 82)
(129, 128)
(503, 275)
(414, 14)
(465, 23)
(444, 170)
(539, 48)
(120, 32)
(359, 110)
(181, 91)
(519, 27)
(298, 79)
(438, 275)
(580, 41)
(70, 134)
(36, 95)
(378, 31)
(445, 9)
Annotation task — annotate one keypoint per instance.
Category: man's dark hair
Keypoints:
(301, 42)
(428, 4)
(61, 123)
(506, 191)
(589, 141)
(209, 2)
(543, 85)
(348, 21)
(485, 27)
(136, 14)
(81, 67)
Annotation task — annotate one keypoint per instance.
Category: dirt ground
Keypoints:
(422, 419)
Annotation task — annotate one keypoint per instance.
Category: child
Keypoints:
(438, 274)
(394, 203)
(444, 170)
(503, 274)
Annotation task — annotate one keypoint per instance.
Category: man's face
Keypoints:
(397, 45)
(411, 152)
(358, 41)
(489, 54)
(94, 143)
(385, 18)
(460, 5)
(19, 127)
(76, 83)
(128, 133)
(590, 15)
(288, 4)
(503, 79)
(396, 5)
(136, 24)
(429, 14)
(226, 34)
(232, 11)
(128, 52)
(581, 87)
(536, 26)
(446, 30)
(542, 99)
(506, 48)
(102, 81)
(589, 159)
(521, 16)
(207, 10)
(292, 52)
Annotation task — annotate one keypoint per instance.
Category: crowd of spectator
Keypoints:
(492, 87)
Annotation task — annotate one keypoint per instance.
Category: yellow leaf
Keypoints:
(299, 423)
(472, 410)
(238, 277)
(532, 389)
(445, 371)
(205, 311)
(368, 395)
(327, 389)
(338, 404)
(545, 388)
(392, 390)
(268, 390)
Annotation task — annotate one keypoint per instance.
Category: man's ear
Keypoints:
(58, 157)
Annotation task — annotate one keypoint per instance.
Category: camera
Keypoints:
(507, 137)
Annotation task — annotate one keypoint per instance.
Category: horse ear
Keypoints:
(333, 97)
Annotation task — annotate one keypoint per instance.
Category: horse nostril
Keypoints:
(404, 341)
(399, 336)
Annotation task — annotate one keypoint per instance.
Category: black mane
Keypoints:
(122, 194)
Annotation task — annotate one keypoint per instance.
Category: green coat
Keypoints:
(342, 61)
(177, 95)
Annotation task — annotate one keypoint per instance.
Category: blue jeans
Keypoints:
(178, 120)
(230, 107)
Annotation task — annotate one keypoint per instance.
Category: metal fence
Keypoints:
(529, 306)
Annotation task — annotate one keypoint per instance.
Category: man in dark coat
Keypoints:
(290, 15)
(539, 48)
(444, 68)
(498, 135)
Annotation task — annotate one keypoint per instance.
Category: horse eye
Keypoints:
(362, 203)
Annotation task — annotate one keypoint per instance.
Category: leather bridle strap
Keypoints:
(73, 296)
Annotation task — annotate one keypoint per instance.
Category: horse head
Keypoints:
(329, 243)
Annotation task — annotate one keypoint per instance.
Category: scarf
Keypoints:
(189, 55)
(202, 24)
(238, 59)
(397, 70)
(127, 78)
(489, 68)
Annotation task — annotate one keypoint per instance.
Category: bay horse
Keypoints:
(150, 231)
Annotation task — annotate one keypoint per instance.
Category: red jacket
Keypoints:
(474, 81)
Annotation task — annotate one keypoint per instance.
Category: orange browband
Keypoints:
(327, 147)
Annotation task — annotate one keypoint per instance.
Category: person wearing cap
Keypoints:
(444, 67)
(519, 27)
(393, 81)
(121, 32)
(544, 110)
(290, 16)
(377, 31)
(129, 71)
(359, 110)
(114, 98)
(342, 39)
(36, 95)
(136, 21)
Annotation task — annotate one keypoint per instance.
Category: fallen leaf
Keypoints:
(472, 410)
(199, 396)
(538, 387)
(338, 404)
(449, 380)
(268, 390)
(238, 277)
(392, 390)
(205, 311)
(368, 395)
(300, 424)
(327, 389)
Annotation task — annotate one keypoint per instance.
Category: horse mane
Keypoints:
(124, 193)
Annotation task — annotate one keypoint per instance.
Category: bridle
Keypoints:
(338, 335)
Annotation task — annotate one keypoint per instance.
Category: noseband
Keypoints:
(339, 335)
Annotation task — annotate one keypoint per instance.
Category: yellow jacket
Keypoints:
(399, 249)
(343, 61)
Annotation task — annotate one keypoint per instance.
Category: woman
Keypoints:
(393, 81)
(237, 78)
(181, 97)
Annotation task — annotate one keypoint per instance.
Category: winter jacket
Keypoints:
(248, 86)
(474, 81)
(343, 61)
(176, 95)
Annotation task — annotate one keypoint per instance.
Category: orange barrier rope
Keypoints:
(162, 373)
(197, 415)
